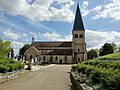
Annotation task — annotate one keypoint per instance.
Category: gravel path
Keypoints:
(56, 77)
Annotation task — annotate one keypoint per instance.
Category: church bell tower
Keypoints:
(78, 38)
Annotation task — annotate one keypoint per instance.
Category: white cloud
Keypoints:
(11, 35)
(97, 8)
(40, 10)
(17, 45)
(85, 4)
(62, 1)
(95, 39)
(85, 11)
(111, 10)
(63, 14)
(56, 37)
(25, 34)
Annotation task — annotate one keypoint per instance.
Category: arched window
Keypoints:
(78, 59)
(65, 58)
(31, 56)
(44, 58)
(56, 58)
(76, 35)
(81, 36)
(78, 49)
(25, 57)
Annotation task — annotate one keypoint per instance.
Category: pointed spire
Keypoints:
(78, 23)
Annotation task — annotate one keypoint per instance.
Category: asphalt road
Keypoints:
(56, 77)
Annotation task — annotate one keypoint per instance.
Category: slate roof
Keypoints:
(78, 23)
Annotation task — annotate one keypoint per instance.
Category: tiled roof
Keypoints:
(53, 48)
(56, 52)
(52, 44)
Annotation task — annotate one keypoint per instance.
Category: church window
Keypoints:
(78, 49)
(65, 58)
(25, 57)
(76, 35)
(31, 56)
(56, 58)
(81, 36)
(78, 59)
(44, 58)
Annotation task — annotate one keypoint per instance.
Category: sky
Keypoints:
(52, 20)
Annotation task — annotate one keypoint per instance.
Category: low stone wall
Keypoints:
(7, 77)
(77, 84)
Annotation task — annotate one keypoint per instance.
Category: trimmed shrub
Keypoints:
(9, 65)
(102, 72)
(3, 69)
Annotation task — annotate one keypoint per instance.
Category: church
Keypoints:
(61, 52)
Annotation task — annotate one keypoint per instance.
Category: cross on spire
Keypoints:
(77, 2)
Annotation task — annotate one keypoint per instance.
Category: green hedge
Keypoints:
(9, 65)
(102, 72)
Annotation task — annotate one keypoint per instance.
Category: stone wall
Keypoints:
(6, 77)
(77, 84)
(56, 58)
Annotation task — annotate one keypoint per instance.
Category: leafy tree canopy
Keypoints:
(106, 49)
(93, 53)
(5, 48)
(23, 49)
(115, 47)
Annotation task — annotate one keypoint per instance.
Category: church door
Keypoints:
(60, 61)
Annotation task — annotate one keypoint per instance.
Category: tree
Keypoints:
(5, 48)
(23, 49)
(115, 47)
(12, 53)
(93, 53)
(119, 48)
(106, 49)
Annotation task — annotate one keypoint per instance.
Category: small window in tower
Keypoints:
(81, 36)
(76, 36)
(78, 49)
(56, 58)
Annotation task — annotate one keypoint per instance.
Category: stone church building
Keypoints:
(61, 52)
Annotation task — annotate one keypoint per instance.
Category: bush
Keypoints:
(106, 73)
(9, 65)
(112, 81)
(3, 69)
